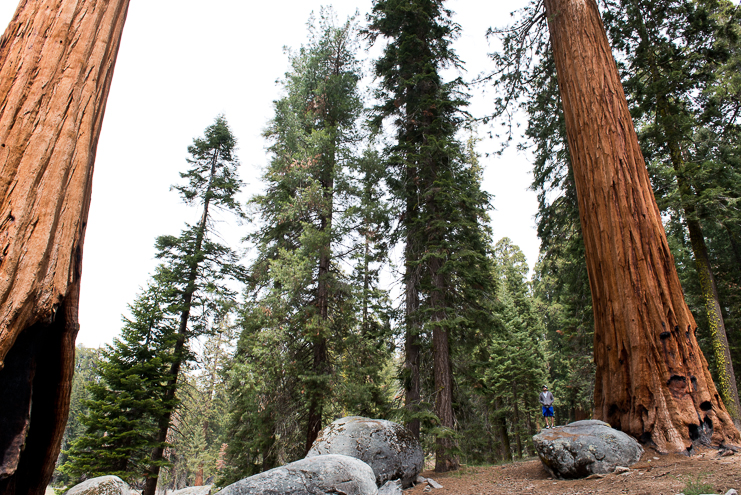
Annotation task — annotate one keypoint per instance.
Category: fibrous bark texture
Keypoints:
(56, 65)
(652, 379)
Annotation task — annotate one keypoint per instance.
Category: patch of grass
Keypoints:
(697, 485)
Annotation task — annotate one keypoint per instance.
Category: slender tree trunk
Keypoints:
(652, 379)
(321, 357)
(199, 476)
(444, 460)
(531, 433)
(717, 327)
(501, 428)
(412, 347)
(150, 485)
(366, 281)
(56, 64)
(516, 421)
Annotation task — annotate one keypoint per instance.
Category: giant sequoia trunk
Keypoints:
(652, 379)
(56, 65)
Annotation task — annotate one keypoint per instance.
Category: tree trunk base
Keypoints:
(35, 386)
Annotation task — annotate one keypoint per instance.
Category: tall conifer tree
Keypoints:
(443, 207)
(308, 331)
(195, 265)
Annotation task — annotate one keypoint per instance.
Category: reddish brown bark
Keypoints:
(445, 460)
(321, 353)
(199, 476)
(56, 65)
(652, 379)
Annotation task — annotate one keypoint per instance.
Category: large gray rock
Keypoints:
(583, 448)
(388, 448)
(103, 485)
(327, 474)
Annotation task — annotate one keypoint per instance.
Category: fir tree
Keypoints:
(199, 422)
(512, 366)
(129, 398)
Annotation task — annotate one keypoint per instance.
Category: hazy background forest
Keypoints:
(274, 311)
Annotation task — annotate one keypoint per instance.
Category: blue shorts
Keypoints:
(548, 411)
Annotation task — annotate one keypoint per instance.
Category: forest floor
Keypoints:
(654, 474)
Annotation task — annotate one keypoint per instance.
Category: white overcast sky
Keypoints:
(181, 63)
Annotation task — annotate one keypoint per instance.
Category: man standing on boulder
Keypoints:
(546, 400)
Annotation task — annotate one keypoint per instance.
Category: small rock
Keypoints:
(727, 453)
(621, 470)
(731, 492)
(420, 479)
(434, 484)
(427, 488)
(595, 476)
(392, 487)
(656, 458)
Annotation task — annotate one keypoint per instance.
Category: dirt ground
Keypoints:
(654, 474)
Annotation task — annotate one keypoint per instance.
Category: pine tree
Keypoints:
(129, 398)
(443, 205)
(515, 368)
(195, 266)
(367, 351)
